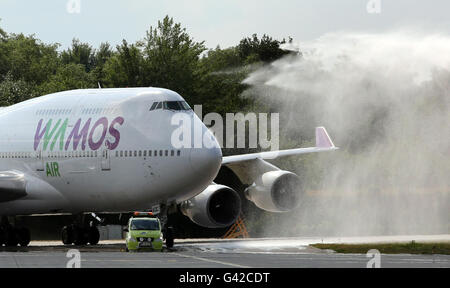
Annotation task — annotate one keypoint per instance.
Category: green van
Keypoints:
(144, 234)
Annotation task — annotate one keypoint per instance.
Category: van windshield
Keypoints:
(144, 224)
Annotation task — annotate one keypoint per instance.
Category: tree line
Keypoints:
(167, 57)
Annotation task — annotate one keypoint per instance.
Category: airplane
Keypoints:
(89, 151)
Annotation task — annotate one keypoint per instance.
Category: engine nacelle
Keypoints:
(276, 191)
(217, 207)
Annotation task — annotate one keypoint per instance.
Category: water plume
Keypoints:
(385, 99)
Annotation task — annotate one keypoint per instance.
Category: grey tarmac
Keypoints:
(207, 253)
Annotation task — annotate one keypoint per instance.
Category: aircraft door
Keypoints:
(106, 158)
(39, 158)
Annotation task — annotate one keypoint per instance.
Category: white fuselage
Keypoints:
(100, 150)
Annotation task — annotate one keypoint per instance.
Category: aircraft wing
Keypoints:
(323, 144)
(12, 185)
(249, 166)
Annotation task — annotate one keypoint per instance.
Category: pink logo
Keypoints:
(81, 133)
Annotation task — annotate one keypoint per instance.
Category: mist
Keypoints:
(385, 101)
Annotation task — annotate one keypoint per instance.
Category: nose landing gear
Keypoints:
(168, 235)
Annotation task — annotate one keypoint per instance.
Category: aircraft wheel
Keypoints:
(23, 235)
(2, 237)
(169, 237)
(67, 235)
(94, 235)
(80, 236)
(11, 239)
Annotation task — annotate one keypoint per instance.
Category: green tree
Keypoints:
(171, 57)
(252, 49)
(2, 34)
(14, 91)
(219, 60)
(124, 68)
(3, 54)
(79, 53)
(28, 59)
(102, 55)
(68, 77)
(219, 86)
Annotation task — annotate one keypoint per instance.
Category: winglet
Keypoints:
(322, 138)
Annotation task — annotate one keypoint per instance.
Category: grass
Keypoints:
(390, 248)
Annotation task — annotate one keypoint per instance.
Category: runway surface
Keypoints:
(207, 253)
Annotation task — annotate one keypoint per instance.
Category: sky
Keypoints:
(222, 23)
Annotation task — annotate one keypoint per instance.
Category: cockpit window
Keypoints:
(185, 105)
(154, 106)
(171, 105)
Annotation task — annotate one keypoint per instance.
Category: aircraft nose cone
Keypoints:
(206, 161)
(206, 153)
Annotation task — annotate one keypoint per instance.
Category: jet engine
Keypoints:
(217, 207)
(276, 191)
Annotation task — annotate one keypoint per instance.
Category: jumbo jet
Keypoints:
(91, 151)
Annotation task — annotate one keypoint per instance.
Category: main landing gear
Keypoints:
(11, 236)
(80, 233)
